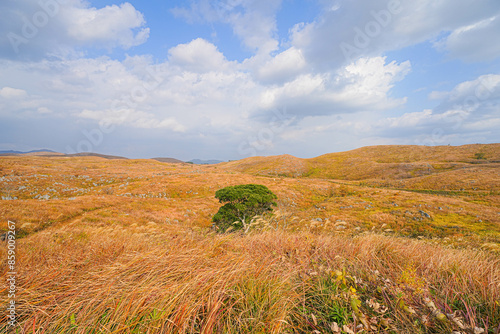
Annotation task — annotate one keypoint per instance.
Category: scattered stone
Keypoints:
(424, 214)
(8, 198)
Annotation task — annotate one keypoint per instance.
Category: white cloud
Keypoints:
(475, 42)
(183, 96)
(468, 113)
(135, 92)
(134, 118)
(364, 85)
(369, 81)
(470, 95)
(32, 30)
(298, 89)
(284, 67)
(257, 25)
(12, 93)
(253, 21)
(198, 56)
(107, 27)
(470, 110)
(437, 95)
(413, 119)
(44, 110)
(365, 29)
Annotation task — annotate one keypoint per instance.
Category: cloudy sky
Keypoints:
(230, 79)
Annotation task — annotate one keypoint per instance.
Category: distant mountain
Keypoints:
(169, 160)
(205, 162)
(50, 153)
(19, 152)
(89, 154)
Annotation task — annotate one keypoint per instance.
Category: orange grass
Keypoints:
(174, 279)
(124, 246)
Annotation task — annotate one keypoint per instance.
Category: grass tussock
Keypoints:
(178, 279)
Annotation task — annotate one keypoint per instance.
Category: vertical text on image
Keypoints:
(11, 273)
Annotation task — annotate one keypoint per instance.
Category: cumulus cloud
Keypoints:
(253, 21)
(370, 80)
(132, 117)
(108, 27)
(284, 67)
(32, 30)
(257, 25)
(135, 92)
(356, 29)
(184, 95)
(12, 93)
(474, 42)
(473, 95)
(468, 113)
(470, 108)
(44, 110)
(198, 56)
(363, 85)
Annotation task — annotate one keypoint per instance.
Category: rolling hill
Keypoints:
(382, 162)
(468, 167)
(383, 239)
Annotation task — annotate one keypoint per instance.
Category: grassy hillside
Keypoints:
(462, 170)
(374, 162)
(125, 246)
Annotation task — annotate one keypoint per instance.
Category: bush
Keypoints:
(479, 156)
(243, 202)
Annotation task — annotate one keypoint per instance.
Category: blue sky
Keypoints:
(228, 79)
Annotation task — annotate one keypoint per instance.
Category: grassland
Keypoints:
(382, 239)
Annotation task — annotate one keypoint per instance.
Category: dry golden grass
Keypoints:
(388, 163)
(172, 278)
(124, 246)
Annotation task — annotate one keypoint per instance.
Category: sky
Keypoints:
(229, 79)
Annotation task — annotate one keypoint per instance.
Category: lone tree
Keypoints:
(243, 202)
